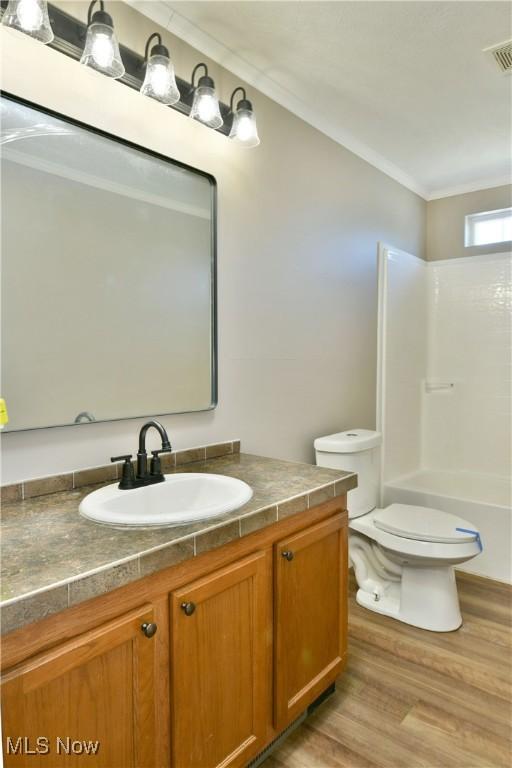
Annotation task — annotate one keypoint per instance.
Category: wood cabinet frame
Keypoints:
(27, 682)
(293, 643)
(161, 590)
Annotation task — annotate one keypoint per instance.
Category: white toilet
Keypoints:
(403, 556)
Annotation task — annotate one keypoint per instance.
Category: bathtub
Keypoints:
(483, 500)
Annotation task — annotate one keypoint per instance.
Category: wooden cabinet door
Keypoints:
(221, 639)
(90, 701)
(310, 615)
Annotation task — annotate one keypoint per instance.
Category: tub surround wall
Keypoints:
(468, 427)
(447, 323)
(299, 218)
(446, 222)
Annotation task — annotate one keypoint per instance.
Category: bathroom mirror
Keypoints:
(108, 276)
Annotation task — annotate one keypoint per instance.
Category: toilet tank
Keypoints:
(356, 450)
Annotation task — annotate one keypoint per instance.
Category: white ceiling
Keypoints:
(405, 85)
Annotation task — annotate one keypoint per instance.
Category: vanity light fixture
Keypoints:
(152, 74)
(160, 80)
(244, 130)
(205, 106)
(101, 51)
(30, 17)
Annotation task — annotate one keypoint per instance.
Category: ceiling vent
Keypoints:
(502, 56)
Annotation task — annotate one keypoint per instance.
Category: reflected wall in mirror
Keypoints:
(108, 276)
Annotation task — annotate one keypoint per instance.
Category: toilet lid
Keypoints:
(423, 524)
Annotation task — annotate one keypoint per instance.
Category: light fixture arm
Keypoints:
(198, 66)
(155, 36)
(233, 97)
(91, 6)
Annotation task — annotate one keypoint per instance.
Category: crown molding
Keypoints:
(178, 25)
(181, 27)
(476, 186)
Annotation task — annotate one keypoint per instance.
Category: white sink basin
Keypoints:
(182, 498)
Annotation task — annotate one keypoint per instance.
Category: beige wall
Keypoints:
(445, 222)
(298, 223)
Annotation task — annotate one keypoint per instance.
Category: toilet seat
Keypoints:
(453, 551)
(424, 524)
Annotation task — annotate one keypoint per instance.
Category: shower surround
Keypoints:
(444, 392)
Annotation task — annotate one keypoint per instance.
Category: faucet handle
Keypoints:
(162, 450)
(121, 458)
(128, 476)
(155, 466)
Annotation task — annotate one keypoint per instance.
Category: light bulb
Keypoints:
(160, 81)
(102, 50)
(29, 14)
(244, 130)
(30, 17)
(205, 106)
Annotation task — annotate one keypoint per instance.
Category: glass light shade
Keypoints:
(30, 17)
(160, 81)
(205, 107)
(244, 130)
(101, 50)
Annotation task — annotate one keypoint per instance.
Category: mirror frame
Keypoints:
(213, 260)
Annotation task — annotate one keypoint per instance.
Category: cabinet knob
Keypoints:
(149, 629)
(188, 608)
(287, 554)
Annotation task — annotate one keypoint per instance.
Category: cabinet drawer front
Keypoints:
(96, 688)
(221, 634)
(310, 619)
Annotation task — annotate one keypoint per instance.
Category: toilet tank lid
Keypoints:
(350, 441)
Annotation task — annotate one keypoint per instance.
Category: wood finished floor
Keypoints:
(416, 699)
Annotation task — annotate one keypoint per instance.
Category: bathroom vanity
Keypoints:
(193, 646)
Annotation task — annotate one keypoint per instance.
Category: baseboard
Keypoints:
(483, 580)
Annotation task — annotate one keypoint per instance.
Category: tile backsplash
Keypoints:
(109, 472)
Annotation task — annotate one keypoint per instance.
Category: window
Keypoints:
(488, 227)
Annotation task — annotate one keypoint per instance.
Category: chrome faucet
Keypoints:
(143, 477)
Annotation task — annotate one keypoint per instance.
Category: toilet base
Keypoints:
(424, 597)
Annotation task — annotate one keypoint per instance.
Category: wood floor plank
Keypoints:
(391, 702)
(476, 707)
(482, 675)
(492, 633)
(445, 749)
(310, 748)
(474, 739)
(417, 699)
(476, 605)
(358, 729)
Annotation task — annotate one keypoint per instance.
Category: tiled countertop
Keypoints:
(53, 558)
